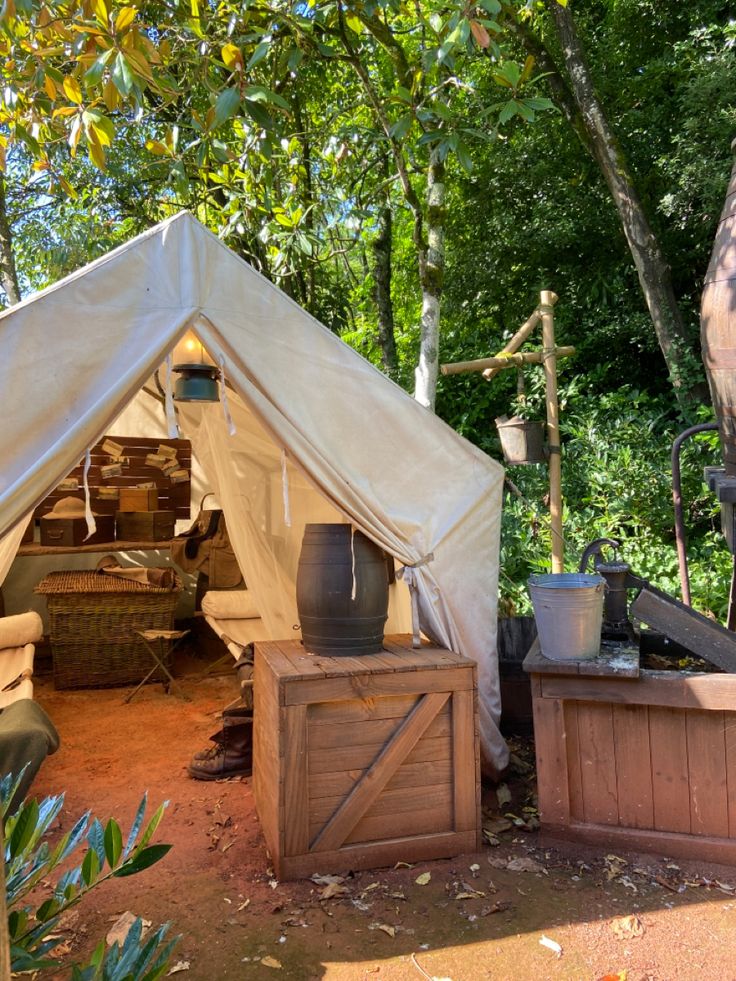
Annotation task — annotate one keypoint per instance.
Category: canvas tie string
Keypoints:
(223, 398)
(285, 490)
(173, 425)
(409, 575)
(353, 592)
(89, 517)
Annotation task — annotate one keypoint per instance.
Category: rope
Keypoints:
(285, 490)
(89, 517)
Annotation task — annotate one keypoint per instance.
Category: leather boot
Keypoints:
(232, 752)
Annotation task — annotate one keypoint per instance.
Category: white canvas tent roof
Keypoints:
(76, 353)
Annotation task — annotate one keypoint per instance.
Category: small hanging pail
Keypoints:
(568, 608)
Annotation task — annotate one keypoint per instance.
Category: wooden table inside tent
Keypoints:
(361, 762)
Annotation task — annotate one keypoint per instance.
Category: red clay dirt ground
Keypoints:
(474, 919)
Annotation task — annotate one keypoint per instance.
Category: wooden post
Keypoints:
(547, 302)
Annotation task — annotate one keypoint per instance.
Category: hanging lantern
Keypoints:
(197, 381)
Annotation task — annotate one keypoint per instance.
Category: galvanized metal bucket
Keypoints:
(568, 608)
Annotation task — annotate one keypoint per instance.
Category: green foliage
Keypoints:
(30, 860)
(617, 484)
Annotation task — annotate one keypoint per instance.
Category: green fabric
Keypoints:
(27, 737)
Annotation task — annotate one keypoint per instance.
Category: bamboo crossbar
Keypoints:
(490, 366)
(512, 346)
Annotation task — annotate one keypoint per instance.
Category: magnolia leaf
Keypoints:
(423, 879)
(153, 146)
(91, 863)
(100, 9)
(232, 56)
(228, 102)
(354, 23)
(125, 18)
(49, 86)
(72, 89)
(269, 961)
(122, 76)
(261, 50)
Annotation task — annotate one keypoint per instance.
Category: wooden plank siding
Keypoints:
(648, 763)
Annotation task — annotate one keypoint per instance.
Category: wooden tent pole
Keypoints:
(4, 934)
(549, 352)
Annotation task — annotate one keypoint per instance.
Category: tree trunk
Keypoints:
(653, 271)
(431, 273)
(8, 273)
(382, 288)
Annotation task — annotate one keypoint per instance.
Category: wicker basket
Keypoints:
(92, 619)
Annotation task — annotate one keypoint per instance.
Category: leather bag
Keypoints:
(206, 548)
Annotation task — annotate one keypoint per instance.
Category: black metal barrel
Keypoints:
(334, 624)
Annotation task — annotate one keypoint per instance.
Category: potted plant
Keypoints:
(522, 434)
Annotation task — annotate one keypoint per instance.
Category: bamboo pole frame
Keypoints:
(548, 358)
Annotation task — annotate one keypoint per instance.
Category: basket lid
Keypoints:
(91, 581)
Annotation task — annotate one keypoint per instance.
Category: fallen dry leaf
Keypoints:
(243, 905)
(178, 968)
(503, 794)
(627, 927)
(619, 976)
(271, 962)
(423, 879)
(524, 864)
(119, 930)
(333, 889)
(325, 880)
(385, 927)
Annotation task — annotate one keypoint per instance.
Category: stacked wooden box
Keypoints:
(139, 518)
(361, 762)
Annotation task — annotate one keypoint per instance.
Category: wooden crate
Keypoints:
(65, 531)
(361, 762)
(145, 526)
(138, 499)
(637, 759)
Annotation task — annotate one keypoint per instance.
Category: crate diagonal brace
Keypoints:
(384, 766)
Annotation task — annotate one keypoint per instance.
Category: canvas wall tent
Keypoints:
(75, 354)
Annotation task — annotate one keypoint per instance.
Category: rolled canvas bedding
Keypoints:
(19, 630)
(230, 604)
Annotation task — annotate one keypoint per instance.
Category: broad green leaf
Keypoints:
(142, 860)
(259, 93)
(228, 103)
(466, 161)
(160, 149)
(72, 89)
(258, 113)
(260, 52)
(401, 127)
(508, 111)
(122, 76)
(113, 843)
(90, 864)
(23, 829)
(354, 23)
